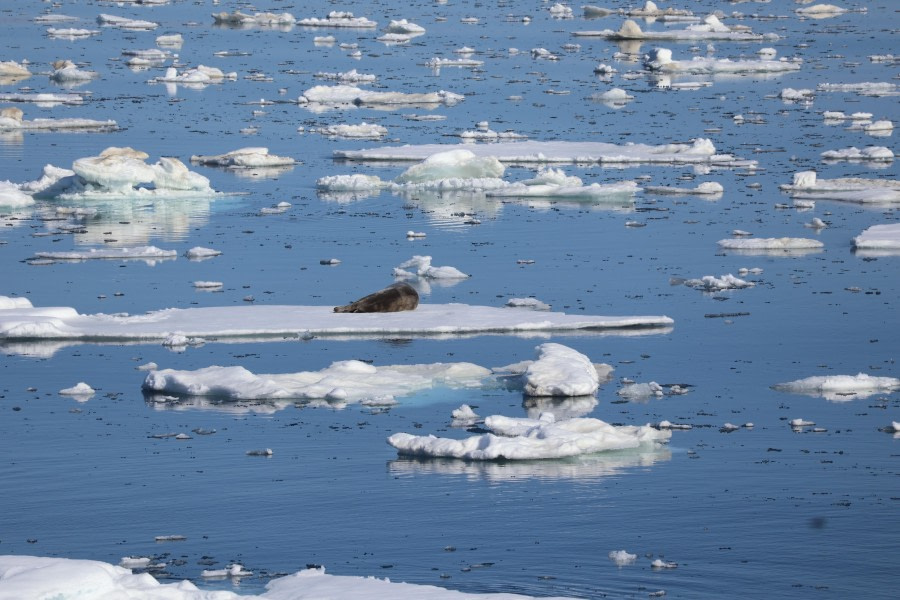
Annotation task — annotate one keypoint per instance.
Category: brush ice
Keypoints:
(699, 151)
(244, 158)
(879, 237)
(531, 439)
(560, 371)
(220, 323)
(841, 387)
(71, 579)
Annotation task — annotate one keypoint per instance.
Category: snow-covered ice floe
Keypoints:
(877, 239)
(67, 579)
(782, 245)
(420, 266)
(841, 387)
(352, 76)
(244, 158)
(124, 22)
(71, 33)
(361, 131)
(12, 119)
(241, 19)
(119, 173)
(560, 371)
(147, 253)
(865, 88)
(43, 99)
(199, 75)
(343, 381)
(280, 321)
(12, 197)
(339, 19)
(820, 11)
(711, 283)
(67, 73)
(11, 71)
(710, 29)
(699, 151)
(869, 153)
(707, 188)
(553, 183)
(336, 96)
(806, 185)
(531, 439)
(660, 59)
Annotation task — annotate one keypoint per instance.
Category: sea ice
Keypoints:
(807, 185)
(67, 72)
(782, 243)
(622, 557)
(532, 303)
(361, 131)
(244, 158)
(197, 76)
(660, 59)
(707, 188)
(873, 153)
(420, 266)
(560, 371)
(11, 70)
(711, 283)
(323, 96)
(261, 18)
(531, 439)
(710, 29)
(12, 119)
(641, 391)
(200, 253)
(877, 237)
(11, 196)
(338, 19)
(79, 389)
(138, 252)
(124, 22)
(841, 387)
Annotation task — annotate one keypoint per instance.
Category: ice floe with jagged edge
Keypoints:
(65, 578)
(558, 371)
(244, 158)
(234, 323)
(119, 173)
(531, 439)
(12, 197)
(711, 29)
(342, 381)
(841, 387)
(865, 88)
(711, 283)
(775, 246)
(822, 11)
(43, 99)
(660, 59)
(11, 71)
(879, 240)
(650, 9)
(107, 20)
(71, 33)
(238, 18)
(807, 185)
(146, 253)
(869, 153)
(701, 151)
(199, 75)
(67, 73)
(437, 62)
(420, 266)
(351, 76)
(338, 18)
(359, 131)
(484, 133)
(553, 183)
(325, 97)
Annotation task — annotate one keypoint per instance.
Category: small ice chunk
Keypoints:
(622, 557)
(199, 252)
(79, 389)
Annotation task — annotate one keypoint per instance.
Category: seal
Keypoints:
(394, 298)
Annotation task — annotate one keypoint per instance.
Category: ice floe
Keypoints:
(338, 19)
(865, 88)
(531, 439)
(337, 96)
(119, 173)
(560, 371)
(43, 99)
(346, 381)
(807, 185)
(484, 133)
(622, 557)
(71, 33)
(782, 244)
(711, 29)
(351, 76)
(818, 11)
(244, 158)
(291, 322)
(138, 252)
(200, 253)
(65, 578)
(197, 76)
(360, 131)
(711, 283)
(107, 20)
(12, 119)
(10, 70)
(699, 151)
(420, 266)
(79, 389)
(553, 183)
(67, 72)
(879, 238)
(241, 19)
(707, 188)
(869, 153)
(841, 387)
(660, 59)
(531, 303)
(12, 197)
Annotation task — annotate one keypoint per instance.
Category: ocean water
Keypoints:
(761, 512)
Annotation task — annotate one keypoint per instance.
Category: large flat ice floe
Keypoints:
(531, 439)
(806, 185)
(841, 387)
(71, 579)
(660, 59)
(782, 244)
(884, 238)
(322, 97)
(119, 173)
(244, 158)
(65, 323)
(710, 29)
(699, 151)
(12, 119)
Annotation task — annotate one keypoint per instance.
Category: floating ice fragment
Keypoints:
(244, 158)
(79, 389)
(783, 243)
(661, 564)
(199, 252)
(852, 189)
(820, 10)
(464, 412)
(710, 29)
(138, 252)
(263, 452)
(11, 196)
(134, 562)
(873, 153)
(711, 283)
(660, 59)
(879, 237)
(338, 19)
(622, 557)
(798, 422)
(560, 371)
(421, 267)
(124, 22)
(208, 284)
(641, 391)
(840, 387)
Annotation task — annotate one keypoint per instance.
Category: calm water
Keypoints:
(756, 513)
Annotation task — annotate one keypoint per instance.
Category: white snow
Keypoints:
(244, 158)
(699, 151)
(335, 96)
(18, 322)
(79, 389)
(12, 197)
(782, 243)
(560, 371)
(807, 185)
(420, 266)
(841, 387)
(71, 579)
(531, 439)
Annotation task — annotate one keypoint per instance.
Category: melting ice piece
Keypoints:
(660, 59)
(807, 185)
(841, 387)
(420, 266)
(879, 237)
(243, 158)
(710, 29)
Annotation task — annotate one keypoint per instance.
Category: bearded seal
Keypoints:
(394, 298)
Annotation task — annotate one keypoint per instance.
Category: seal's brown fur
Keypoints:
(393, 298)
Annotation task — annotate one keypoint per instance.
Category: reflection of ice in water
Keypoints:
(593, 466)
